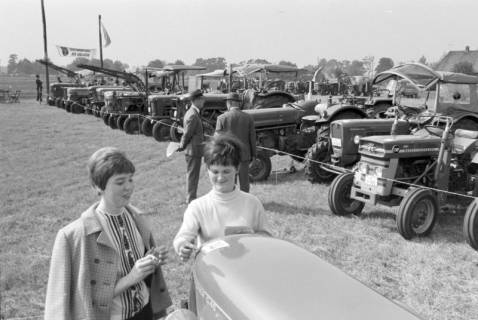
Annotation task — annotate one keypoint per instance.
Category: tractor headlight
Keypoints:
(378, 171)
(357, 139)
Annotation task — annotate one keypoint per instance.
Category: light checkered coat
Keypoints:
(83, 271)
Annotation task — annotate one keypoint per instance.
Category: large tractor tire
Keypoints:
(260, 168)
(77, 108)
(162, 130)
(112, 121)
(340, 202)
(132, 125)
(175, 133)
(314, 172)
(147, 127)
(68, 106)
(470, 225)
(120, 121)
(417, 213)
(106, 118)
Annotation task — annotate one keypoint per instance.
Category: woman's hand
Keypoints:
(158, 255)
(185, 251)
(142, 268)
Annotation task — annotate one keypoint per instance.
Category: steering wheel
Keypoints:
(434, 131)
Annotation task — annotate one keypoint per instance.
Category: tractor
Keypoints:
(340, 148)
(409, 171)
(244, 276)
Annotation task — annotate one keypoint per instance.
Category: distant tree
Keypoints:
(355, 68)
(463, 67)
(287, 63)
(157, 63)
(211, 64)
(179, 62)
(322, 62)
(384, 64)
(73, 65)
(423, 60)
(118, 65)
(12, 63)
(258, 61)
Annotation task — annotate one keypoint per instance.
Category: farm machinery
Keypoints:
(409, 171)
(236, 277)
(340, 147)
(58, 90)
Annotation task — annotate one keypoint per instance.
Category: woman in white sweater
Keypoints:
(225, 205)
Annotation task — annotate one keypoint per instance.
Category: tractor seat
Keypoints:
(466, 134)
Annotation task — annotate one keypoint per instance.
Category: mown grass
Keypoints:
(44, 186)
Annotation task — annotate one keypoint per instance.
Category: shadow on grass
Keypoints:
(292, 210)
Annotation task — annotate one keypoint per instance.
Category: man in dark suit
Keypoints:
(241, 125)
(192, 143)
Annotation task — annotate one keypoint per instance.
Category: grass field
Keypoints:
(43, 152)
(26, 84)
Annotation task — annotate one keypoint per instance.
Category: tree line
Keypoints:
(334, 67)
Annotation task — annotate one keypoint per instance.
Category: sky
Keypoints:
(300, 31)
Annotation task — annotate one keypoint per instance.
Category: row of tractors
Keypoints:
(371, 149)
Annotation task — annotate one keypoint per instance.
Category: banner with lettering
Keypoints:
(76, 53)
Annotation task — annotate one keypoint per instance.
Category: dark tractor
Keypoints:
(58, 93)
(124, 110)
(160, 114)
(408, 171)
(77, 99)
(341, 147)
(281, 128)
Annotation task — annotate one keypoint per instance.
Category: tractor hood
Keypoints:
(270, 117)
(256, 277)
(400, 146)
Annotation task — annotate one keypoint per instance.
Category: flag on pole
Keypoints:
(106, 36)
(76, 52)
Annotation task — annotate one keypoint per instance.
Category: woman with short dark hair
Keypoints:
(104, 265)
(225, 206)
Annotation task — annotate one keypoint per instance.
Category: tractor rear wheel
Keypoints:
(68, 106)
(260, 168)
(76, 108)
(120, 121)
(340, 202)
(112, 121)
(162, 130)
(314, 172)
(175, 133)
(132, 125)
(417, 213)
(470, 225)
(106, 118)
(147, 127)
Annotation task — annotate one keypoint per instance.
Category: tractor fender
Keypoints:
(467, 116)
(334, 111)
(475, 159)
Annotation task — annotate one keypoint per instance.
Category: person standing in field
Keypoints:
(192, 143)
(241, 125)
(39, 84)
(104, 265)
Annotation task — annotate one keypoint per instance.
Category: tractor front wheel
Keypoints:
(147, 127)
(470, 225)
(132, 125)
(316, 155)
(162, 130)
(340, 202)
(417, 213)
(175, 133)
(120, 121)
(112, 121)
(260, 168)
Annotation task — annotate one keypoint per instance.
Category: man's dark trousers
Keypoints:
(244, 176)
(193, 167)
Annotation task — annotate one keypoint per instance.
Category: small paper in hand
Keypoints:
(172, 148)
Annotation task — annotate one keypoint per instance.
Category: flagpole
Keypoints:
(45, 51)
(101, 43)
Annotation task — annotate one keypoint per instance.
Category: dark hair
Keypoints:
(223, 149)
(105, 163)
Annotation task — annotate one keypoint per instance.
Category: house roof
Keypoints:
(453, 57)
